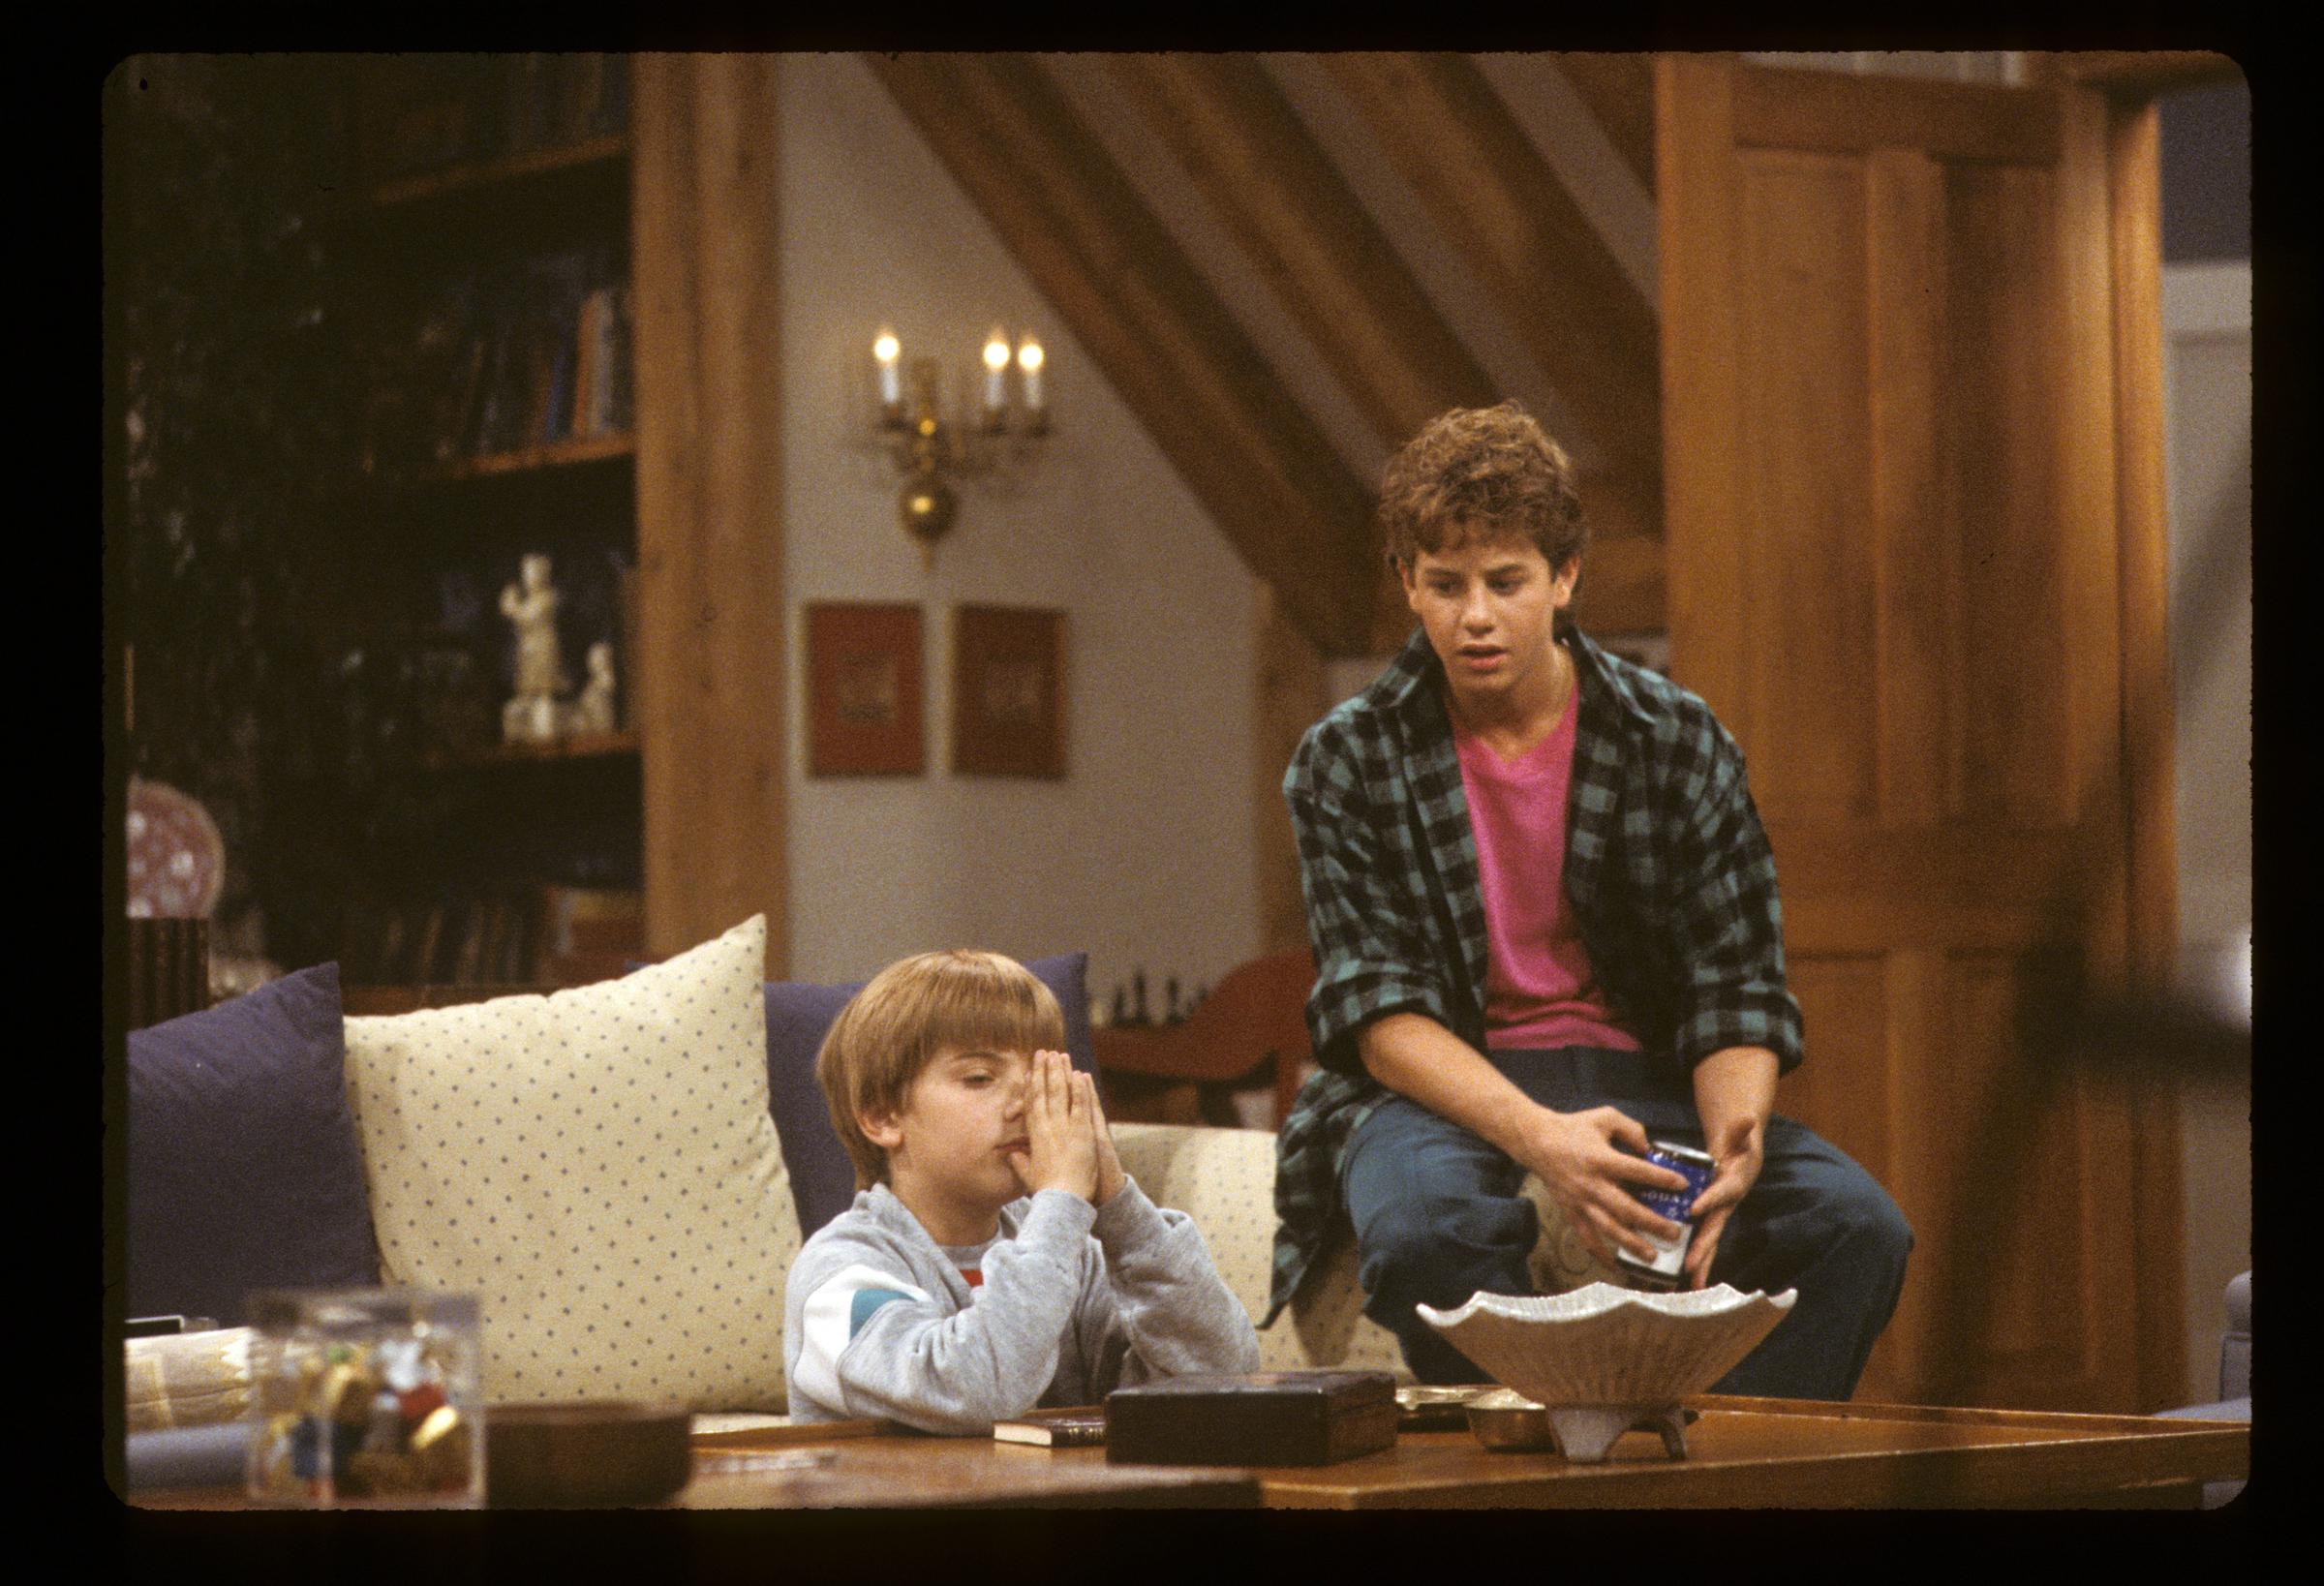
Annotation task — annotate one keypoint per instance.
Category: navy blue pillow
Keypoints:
(799, 1016)
(244, 1168)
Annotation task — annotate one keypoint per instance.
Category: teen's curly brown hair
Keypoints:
(1493, 470)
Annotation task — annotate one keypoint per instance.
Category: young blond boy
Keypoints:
(996, 1256)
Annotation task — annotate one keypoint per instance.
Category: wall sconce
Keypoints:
(1004, 433)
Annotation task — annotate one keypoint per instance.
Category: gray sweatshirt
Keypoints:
(1076, 1301)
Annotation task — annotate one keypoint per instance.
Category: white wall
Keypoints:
(1144, 853)
(2207, 374)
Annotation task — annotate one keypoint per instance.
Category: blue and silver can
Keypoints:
(1697, 1168)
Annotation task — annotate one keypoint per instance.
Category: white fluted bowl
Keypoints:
(1621, 1355)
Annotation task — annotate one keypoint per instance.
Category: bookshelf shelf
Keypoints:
(487, 251)
(604, 746)
(593, 448)
(611, 154)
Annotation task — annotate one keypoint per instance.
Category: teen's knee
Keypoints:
(1868, 1219)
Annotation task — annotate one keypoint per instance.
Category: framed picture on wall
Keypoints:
(862, 691)
(1008, 691)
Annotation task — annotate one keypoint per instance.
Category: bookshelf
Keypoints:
(487, 251)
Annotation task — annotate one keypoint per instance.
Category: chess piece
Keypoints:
(531, 715)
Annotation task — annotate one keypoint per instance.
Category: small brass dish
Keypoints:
(1504, 1418)
(1423, 1408)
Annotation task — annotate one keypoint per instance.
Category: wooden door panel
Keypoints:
(1889, 417)
(1843, 998)
(2008, 742)
(1809, 574)
(1844, 887)
(2020, 1253)
(2014, 1173)
(1918, 638)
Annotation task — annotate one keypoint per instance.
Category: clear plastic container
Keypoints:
(366, 1398)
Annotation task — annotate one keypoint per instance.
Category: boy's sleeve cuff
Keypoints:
(1055, 1214)
(1129, 1216)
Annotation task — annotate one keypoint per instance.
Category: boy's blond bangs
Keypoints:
(961, 999)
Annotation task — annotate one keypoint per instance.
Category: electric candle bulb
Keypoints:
(996, 363)
(1028, 361)
(891, 382)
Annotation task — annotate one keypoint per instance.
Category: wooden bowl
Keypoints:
(602, 1454)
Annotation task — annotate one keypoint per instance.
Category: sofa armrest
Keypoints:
(2235, 1347)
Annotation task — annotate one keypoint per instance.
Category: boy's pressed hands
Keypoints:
(1109, 1175)
(1061, 1143)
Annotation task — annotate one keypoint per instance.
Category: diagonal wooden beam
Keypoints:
(1618, 87)
(1529, 244)
(1319, 250)
(1294, 512)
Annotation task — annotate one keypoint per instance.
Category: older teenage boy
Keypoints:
(1544, 922)
(996, 1256)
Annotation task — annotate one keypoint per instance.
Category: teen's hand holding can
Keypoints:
(1697, 1168)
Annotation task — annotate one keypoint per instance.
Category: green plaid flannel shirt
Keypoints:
(1667, 870)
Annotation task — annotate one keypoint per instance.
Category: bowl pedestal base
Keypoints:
(1587, 1432)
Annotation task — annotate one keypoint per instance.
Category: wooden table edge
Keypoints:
(2177, 1455)
(1860, 1410)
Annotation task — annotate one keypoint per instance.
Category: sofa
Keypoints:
(2233, 1402)
(622, 1172)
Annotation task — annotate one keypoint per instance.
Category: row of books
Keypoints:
(529, 357)
(510, 936)
(429, 112)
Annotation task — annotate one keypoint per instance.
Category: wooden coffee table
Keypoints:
(1742, 1453)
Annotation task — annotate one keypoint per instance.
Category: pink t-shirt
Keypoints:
(1540, 990)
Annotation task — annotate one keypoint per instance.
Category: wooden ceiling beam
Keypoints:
(1335, 270)
(1508, 214)
(1294, 512)
(1309, 237)
(1618, 88)
(2136, 73)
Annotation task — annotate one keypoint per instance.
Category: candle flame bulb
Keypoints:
(891, 384)
(1028, 361)
(996, 362)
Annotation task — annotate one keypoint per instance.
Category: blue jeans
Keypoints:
(1438, 1216)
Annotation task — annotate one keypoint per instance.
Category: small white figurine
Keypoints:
(531, 715)
(592, 712)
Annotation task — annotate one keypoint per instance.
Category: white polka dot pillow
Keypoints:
(600, 1166)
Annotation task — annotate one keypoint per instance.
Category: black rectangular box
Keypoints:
(1262, 1418)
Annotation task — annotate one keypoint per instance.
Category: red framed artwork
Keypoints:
(1008, 691)
(863, 681)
